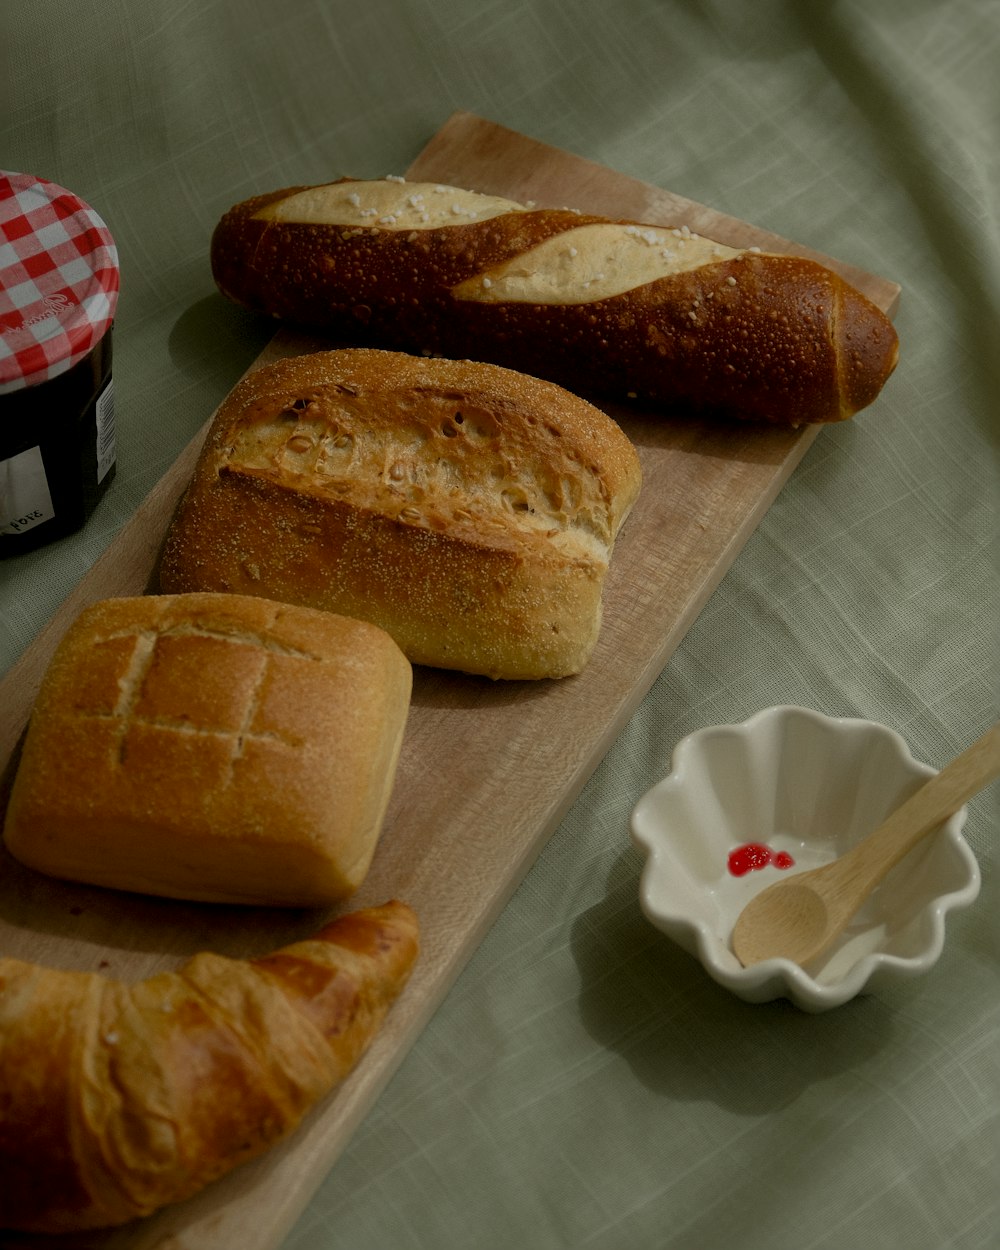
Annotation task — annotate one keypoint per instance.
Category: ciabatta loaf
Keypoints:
(212, 747)
(603, 307)
(119, 1099)
(468, 510)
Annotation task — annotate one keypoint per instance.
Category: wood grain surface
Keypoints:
(487, 770)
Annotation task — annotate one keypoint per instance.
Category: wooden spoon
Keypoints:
(800, 917)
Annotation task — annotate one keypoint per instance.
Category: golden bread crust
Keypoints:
(212, 747)
(468, 510)
(118, 1099)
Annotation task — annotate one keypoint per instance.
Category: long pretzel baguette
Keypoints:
(117, 1100)
(604, 307)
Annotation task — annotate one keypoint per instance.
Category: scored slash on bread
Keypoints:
(468, 510)
(611, 308)
(118, 1100)
(221, 748)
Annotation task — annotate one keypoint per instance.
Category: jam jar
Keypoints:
(59, 282)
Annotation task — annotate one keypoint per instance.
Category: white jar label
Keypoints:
(105, 431)
(24, 492)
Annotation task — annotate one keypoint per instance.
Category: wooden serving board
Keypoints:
(487, 769)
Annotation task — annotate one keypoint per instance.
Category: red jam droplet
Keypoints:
(755, 855)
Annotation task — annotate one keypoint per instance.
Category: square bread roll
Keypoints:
(214, 747)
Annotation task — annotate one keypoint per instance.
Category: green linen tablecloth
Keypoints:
(585, 1084)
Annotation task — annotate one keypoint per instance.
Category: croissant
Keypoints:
(116, 1100)
(615, 308)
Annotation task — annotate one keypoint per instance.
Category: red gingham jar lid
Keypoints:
(58, 280)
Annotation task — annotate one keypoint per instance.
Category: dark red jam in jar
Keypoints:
(58, 293)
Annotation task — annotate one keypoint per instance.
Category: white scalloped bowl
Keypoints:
(808, 786)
